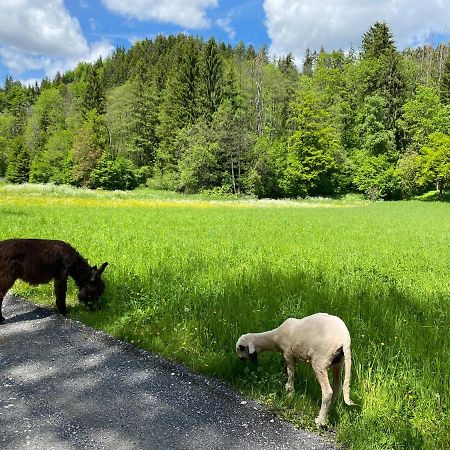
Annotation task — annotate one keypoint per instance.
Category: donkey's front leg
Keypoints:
(2, 319)
(60, 293)
(5, 285)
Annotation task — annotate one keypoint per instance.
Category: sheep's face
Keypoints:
(245, 349)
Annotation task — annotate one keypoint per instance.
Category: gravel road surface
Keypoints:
(66, 386)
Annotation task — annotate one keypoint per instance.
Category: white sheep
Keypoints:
(321, 340)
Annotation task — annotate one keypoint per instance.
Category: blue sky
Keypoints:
(39, 37)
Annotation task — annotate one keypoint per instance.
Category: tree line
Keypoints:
(190, 115)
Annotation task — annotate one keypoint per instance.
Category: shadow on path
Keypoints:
(67, 386)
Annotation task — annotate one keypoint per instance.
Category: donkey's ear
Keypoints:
(102, 268)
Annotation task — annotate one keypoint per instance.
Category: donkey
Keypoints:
(38, 261)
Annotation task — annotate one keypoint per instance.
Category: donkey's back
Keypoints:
(36, 261)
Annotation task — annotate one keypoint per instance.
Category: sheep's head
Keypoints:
(245, 349)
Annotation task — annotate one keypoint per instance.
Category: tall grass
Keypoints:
(186, 278)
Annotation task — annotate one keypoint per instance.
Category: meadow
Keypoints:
(188, 275)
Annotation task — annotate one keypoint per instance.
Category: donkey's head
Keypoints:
(91, 291)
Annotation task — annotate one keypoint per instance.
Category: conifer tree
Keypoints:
(211, 75)
(445, 83)
(377, 40)
(180, 104)
(94, 97)
(230, 89)
(145, 118)
(18, 169)
(308, 63)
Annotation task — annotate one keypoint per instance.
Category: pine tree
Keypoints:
(18, 169)
(145, 119)
(116, 68)
(287, 65)
(180, 104)
(94, 97)
(377, 41)
(388, 81)
(445, 83)
(211, 75)
(308, 63)
(230, 89)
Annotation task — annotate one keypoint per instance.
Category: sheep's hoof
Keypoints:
(320, 422)
(289, 389)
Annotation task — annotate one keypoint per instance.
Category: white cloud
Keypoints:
(294, 25)
(41, 35)
(225, 24)
(190, 14)
(19, 61)
(30, 81)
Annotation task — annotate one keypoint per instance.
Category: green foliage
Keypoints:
(310, 128)
(377, 41)
(94, 95)
(198, 167)
(232, 136)
(266, 169)
(311, 147)
(180, 103)
(445, 82)
(422, 115)
(6, 121)
(18, 169)
(435, 161)
(145, 104)
(375, 176)
(89, 144)
(114, 174)
(50, 165)
(46, 118)
(407, 173)
(374, 135)
(119, 119)
(211, 79)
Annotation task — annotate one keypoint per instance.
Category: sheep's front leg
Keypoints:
(327, 393)
(290, 366)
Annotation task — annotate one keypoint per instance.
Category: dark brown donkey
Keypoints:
(37, 261)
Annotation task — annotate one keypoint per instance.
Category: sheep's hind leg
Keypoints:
(327, 393)
(337, 385)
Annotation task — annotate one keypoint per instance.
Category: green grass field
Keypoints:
(188, 276)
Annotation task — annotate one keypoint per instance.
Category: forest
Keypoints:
(180, 113)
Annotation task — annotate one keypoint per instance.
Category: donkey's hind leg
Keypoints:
(5, 285)
(60, 293)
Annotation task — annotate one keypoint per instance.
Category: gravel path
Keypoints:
(66, 386)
